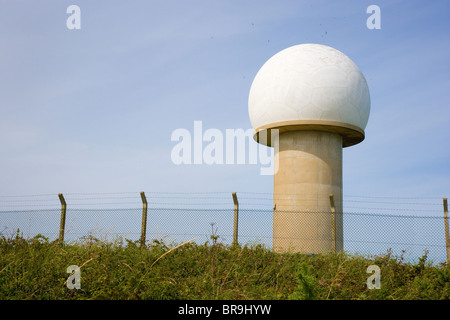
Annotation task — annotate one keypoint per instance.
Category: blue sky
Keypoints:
(93, 110)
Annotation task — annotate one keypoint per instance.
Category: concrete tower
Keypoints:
(318, 100)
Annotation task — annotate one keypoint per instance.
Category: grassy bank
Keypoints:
(36, 269)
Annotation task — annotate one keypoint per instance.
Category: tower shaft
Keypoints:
(308, 169)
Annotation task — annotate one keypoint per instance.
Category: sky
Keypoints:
(92, 110)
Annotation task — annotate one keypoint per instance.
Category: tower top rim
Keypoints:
(351, 135)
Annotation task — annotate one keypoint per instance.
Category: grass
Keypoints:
(36, 268)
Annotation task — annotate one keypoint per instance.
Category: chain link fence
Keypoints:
(371, 225)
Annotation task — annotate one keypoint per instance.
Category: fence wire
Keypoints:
(371, 225)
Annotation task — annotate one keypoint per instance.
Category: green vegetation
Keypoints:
(36, 269)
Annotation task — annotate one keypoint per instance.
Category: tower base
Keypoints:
(309, 169)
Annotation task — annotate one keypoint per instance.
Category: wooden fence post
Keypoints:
(447, 236)
(236, 218)
(333, 224)
(62, 224)
(144, 219)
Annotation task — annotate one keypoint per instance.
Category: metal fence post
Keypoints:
(62, 224)
(236, 218)
(333, 224)
(447, 236)
(144, 219)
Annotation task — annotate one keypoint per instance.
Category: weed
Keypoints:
(36, 269)
(306, 284)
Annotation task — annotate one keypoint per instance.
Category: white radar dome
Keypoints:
(309, 83)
